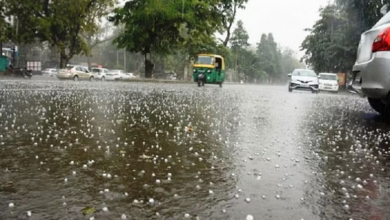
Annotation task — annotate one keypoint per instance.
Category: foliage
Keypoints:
(155, 26)
(228, 10)
(162, 27)
(57, 22)
(265, 63)
(333, 40)
(4, 26)
(270, 57)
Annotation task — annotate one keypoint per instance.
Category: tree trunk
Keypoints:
(149, 66)
(63, 61)
(227, 38)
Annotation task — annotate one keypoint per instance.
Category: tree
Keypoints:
(59, 23)
(326, 43)
(333, 40)
(239, 42)
(289, 60)
(228, 10)
(267, 53)
(3, 25)
(154, 26)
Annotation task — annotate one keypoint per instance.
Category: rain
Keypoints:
(176, 151)
(198, 110)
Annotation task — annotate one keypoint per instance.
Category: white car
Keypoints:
(303, 79)
(99, 73)
(114, 75)
(75, 73)
(328, 82)
(50, 71)
(128, 76)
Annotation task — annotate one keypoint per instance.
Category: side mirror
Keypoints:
(289, 75)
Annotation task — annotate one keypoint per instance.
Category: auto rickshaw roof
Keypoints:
(210, 55)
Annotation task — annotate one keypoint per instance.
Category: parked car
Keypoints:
(99, 73)
(114, 75)
(303, 79)
(128, 76)
(75, 73)
(328, 82)
(50, 71)
(370, 76)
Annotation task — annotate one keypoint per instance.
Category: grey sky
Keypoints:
(286, 19)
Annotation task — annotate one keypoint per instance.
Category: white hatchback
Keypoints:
(328, 82)
(114, 75)
(99, 73)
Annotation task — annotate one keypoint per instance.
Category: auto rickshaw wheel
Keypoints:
(220, 84)
(199, 83)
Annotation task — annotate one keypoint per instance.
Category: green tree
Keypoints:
(155, 26)
(289, 60)
(332, 42)
(59, 23)
(3, 25)
(228, 9)
(326, 44)
(239, 45)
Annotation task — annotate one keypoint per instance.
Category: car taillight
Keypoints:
(382, 41)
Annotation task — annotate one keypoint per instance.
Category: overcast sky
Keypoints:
(286, 19)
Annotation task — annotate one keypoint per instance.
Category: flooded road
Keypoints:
(116, 150)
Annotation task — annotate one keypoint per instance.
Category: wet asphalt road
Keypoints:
(115, 150)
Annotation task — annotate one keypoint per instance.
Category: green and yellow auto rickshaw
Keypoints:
(209, 69)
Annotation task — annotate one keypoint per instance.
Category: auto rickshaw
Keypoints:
(209, 69)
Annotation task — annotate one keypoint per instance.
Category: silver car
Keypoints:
(303, 79)
(75, 73)
(371, 72)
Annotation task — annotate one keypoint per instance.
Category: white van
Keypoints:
(328, 82)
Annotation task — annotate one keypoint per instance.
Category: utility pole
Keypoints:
(124, 61)
(117, 58)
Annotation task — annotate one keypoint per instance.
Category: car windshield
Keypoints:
(328, 77)
(304, 73)
(204, 60)
(96, 70)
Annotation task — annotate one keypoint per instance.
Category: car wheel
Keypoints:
(103, 78)
(290, 89)
(378, 106)
(76, 78)
(91, 78)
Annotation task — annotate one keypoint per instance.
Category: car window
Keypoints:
(384, 20)
(78, 69)
(96, 70)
